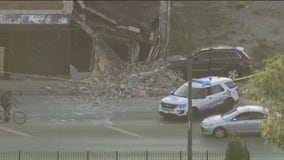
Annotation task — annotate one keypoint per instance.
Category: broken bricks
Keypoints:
(141, 80)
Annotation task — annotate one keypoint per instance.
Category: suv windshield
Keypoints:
(183, 91)
(230, 84)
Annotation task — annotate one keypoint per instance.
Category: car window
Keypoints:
(243, 116)
(204, 92)
(256, 115)
(196, 93)
(224, 55)
(216, 89)
(203, 56)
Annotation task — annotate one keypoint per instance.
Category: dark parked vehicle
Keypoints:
(226, 61)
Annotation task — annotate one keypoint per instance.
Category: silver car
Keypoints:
(244, 119)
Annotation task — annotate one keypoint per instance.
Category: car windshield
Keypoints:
(183, 91)
(229, 115)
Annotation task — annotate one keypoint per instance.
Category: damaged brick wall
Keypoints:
(133, 37)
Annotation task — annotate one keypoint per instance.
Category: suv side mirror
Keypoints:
(172, 92)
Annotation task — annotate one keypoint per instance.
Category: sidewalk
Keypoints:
(29, 87)
(22, 84)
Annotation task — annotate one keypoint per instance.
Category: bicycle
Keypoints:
(19, 117)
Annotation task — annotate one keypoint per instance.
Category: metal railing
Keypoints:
(109, 155)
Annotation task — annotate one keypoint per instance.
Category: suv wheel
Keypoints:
(233, 73)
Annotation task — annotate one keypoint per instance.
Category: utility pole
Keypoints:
(189, 79)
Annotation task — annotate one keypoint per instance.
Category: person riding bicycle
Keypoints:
(6, 103)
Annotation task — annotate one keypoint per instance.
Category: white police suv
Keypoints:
(207, 93)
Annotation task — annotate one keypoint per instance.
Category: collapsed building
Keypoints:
(121, 43)
(46, 37)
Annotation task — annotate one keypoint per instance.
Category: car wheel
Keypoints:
(220, 132)
(233, 73)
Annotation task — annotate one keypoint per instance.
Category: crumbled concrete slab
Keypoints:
(141, 80)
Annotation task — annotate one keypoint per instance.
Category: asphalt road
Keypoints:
(69, 123)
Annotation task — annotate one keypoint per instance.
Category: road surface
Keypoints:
(69, 123)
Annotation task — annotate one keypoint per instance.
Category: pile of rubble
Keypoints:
(144, 79)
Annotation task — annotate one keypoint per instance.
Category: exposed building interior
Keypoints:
(46, 37)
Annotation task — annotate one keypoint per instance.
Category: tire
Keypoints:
(19, 117)
(233, 73)
(2, 116)
(220, 132)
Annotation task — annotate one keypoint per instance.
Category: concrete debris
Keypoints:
(103, 63)
(49, 89)
(144, 79)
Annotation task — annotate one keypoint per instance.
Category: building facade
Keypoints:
(34, 36)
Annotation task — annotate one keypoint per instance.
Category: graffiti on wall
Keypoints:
(34, 19)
